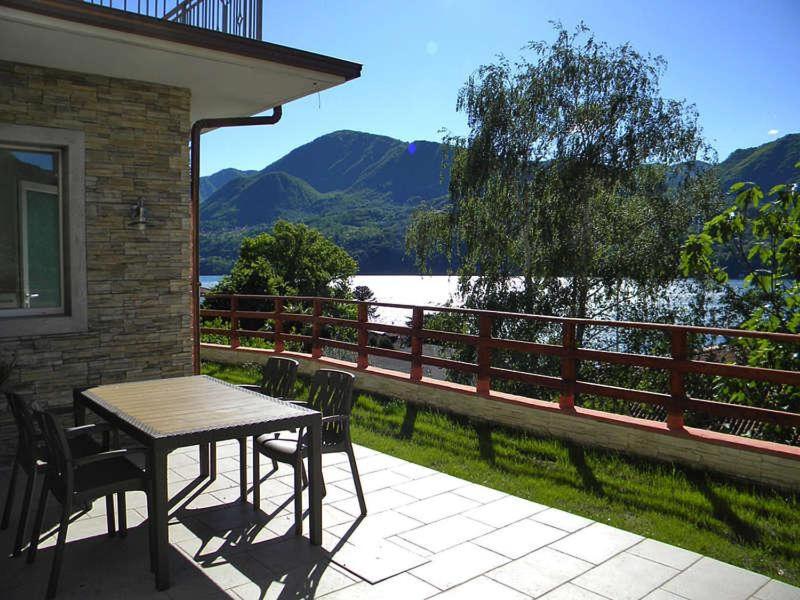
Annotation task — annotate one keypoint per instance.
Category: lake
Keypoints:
(433, 290)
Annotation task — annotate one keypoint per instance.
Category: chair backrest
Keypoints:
(331, 393)
(59, 455)
(28, 432)
(278, 376)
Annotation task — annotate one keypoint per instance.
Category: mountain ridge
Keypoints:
(360, 189)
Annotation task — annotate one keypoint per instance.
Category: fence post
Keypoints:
(416, 344)
(362, 362)
(278, 325)
(677, 382)
(234, 322)
(566, 401)
(316, 349)
(484, 382)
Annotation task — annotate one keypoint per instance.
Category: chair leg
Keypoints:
(256, 477)
(37, 523)
(121, 512)
(55, 571)
(151, 525)
(12, 484)
(110, 515)
(274, 465)
(23, 517)
(356, 479)
(303, 474)
(298, 498)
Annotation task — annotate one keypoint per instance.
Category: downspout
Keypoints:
(197, 129)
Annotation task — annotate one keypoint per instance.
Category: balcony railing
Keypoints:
(672, 404)
(235, 17)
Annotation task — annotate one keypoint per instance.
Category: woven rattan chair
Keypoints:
(77, 481)
(331, 393)
(278, 376)
(30, 458)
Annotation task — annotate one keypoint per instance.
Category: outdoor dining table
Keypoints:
(166, 414)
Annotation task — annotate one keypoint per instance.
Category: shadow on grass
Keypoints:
(409, 420)
(577, 456)
(485, 444)
(721, 509)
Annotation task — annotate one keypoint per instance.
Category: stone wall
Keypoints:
(137, 146)
(749, 460)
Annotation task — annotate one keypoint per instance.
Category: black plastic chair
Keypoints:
(331, 393)
(77, 481)
(278, 376)
(30, 458)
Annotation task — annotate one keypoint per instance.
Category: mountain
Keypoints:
(768, 165)
(360, 189)
(210, 184)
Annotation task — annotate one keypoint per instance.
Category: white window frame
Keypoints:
(55, 190)
(71, 316)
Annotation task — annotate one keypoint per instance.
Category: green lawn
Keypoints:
(752, 527)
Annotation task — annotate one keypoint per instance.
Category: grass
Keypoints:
(753, 527)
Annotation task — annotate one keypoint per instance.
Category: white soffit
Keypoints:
(222, 84)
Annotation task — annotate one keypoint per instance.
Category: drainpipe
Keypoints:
(197, 129)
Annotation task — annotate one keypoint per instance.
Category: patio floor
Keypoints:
(427, 535)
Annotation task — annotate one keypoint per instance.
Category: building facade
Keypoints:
(96, 108)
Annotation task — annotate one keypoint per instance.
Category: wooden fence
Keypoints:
(678, 364)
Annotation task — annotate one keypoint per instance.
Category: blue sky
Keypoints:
(738, 61)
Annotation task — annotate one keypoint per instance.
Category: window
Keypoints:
(42, 240)
(31, 231)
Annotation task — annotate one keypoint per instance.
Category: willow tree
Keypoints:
(577, 179)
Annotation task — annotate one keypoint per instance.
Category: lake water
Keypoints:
(432, 290)
(400, 289)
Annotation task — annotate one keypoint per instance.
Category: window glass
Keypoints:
(31, 236)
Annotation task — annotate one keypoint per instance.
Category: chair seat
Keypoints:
(281, 447)
(117, 473)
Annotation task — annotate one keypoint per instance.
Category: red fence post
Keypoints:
(566, 401)
(362, 362)
(484, 382)
(416, 343)
(278, 325)
(677, 381)
(316, 349)
(234, 322)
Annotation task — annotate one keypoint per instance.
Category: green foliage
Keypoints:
(294, 260)
(764, 233)
(575, 167)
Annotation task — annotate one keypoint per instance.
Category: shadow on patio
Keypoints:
(427, 534)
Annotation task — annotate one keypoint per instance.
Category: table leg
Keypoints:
(315, 480)
(243, 469)
(204, 458)
(158, 460)
(78, 408)
(212, 457)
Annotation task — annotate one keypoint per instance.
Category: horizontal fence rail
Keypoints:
(242, 18)
(677, 365)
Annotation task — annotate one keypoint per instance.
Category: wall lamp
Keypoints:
(138, 217)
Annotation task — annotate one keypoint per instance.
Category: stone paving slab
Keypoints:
(427, 535)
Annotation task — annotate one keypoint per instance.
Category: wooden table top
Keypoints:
(183, 405)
